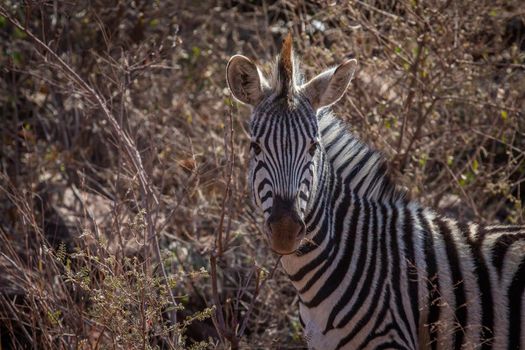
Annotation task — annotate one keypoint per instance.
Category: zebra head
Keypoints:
(285, 140)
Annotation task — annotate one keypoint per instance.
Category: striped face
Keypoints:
(285, 137)
(284, 142)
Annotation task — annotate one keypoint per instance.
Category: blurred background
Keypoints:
(125, 219)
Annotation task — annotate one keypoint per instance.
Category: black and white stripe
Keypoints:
(385, 272)
(376, 270)
(280, 168)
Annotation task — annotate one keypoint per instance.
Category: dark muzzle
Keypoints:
(286, 228)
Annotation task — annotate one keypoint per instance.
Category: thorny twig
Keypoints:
(218, 248)
(218, 238)
(411, 90)
(258, 287)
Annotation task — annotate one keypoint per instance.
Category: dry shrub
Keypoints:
(440, 90)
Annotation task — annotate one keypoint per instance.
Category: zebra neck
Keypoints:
(360, 167)
(320, 199)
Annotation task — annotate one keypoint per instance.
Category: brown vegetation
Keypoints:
(125, 219)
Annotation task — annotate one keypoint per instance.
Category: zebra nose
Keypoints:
(286, 231)
(285, 235)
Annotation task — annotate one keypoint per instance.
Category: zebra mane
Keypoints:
(363, 168)
(285, 74)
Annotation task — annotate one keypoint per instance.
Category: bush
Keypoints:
(125, 218)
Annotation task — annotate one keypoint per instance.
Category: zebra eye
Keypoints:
(312, 149)
(255, 147)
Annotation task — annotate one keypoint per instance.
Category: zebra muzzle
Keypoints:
(286, 230)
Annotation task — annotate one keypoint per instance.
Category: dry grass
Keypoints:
(117, 133)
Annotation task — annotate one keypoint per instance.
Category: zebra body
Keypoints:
(373, 270)
(409, 278)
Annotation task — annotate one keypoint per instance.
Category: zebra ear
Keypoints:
(328, 87)
(244, 80)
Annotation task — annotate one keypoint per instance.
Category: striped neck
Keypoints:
(356, 164)
(320, 204)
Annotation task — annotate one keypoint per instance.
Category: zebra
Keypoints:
(372, 268)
